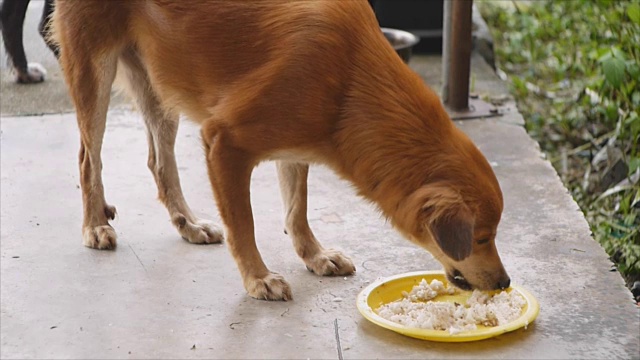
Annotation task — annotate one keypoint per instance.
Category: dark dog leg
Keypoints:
(12, 19)
(44, 27)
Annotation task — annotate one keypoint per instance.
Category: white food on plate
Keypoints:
(417, 310)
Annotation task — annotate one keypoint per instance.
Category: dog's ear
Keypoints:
(449, 220)
(442, 211)
(453, 231)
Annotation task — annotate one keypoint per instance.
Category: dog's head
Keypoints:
(455, 216)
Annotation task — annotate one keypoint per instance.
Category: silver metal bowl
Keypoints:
(402, 42)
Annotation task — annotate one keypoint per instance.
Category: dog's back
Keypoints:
(199, 54)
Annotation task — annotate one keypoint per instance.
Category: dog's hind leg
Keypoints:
(90, 76)
(89, 52)
(293, 187)
(162, 127)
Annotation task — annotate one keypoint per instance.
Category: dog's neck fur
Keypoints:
(370, 113)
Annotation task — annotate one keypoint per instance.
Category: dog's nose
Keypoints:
(504, 283)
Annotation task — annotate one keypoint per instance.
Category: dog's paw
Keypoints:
(330, 262)
(35, 73)
(101, 237)
(271, 287)
(198, 232)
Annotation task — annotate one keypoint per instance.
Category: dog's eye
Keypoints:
(483, 241)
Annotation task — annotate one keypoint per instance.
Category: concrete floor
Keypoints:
(158, 296)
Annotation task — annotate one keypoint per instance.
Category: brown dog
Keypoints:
(295, 81)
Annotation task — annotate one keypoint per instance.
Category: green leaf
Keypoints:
(593, 54)
(634, 70)
(612, 111)
(613, 69)
(520, 86)
(633, 11)
(637, 198)
(631, 85)
(624, 205)
(603, 54)
(634, 164)
(613, 17)
(618, 53)
(633, 121)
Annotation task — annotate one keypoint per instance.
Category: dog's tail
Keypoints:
(48, 29)
(45, 27)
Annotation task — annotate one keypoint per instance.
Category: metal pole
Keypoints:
(446, 49)
(460, 55)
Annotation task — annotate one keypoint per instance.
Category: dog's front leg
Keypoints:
(293, 187)
(230, 174)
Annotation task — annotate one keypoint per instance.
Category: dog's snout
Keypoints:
(504, 283)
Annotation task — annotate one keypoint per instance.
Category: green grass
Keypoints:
(574, 69)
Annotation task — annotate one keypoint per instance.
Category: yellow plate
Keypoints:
(390, 289)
